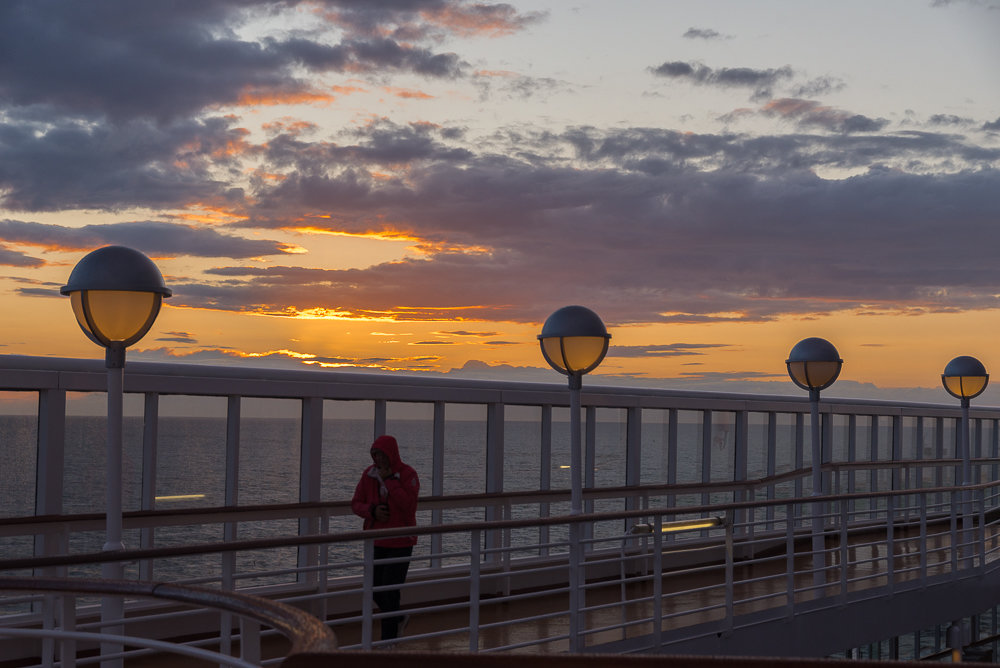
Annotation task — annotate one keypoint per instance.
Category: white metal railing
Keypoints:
(716, 579)
(651, 457)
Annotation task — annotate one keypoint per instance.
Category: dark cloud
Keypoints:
(462, 332)
(67, 164)
(702, 33)
(648, 225)
(125, 60)
(949, 119)
(730, 376)
(153, 238)
(808, 113)
(13, 258)
(516, 86)
(819, 86)
(430, 19)
(177, 337)
(761, 81)
(994, 125)
(662, 350)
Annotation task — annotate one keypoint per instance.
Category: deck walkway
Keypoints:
(620, 614)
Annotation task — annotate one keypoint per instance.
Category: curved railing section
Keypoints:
(305, 633)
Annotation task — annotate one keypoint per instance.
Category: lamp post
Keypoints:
(116, 294)
(814, 365)
(574, 341)
(965, 378)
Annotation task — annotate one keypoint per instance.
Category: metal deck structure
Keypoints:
(702, 534)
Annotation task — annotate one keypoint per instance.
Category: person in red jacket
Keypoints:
(386, 497)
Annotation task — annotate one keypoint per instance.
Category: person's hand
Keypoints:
(381, 512)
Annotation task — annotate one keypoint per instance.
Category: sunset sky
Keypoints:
(415, 185)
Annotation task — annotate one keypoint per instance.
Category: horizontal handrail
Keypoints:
(21, 372)
(456, 527)
(133, 519)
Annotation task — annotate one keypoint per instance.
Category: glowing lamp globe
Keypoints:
(574, 340)
(116, 294)
(965, 377)
(814, 364)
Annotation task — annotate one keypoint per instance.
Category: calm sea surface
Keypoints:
(191, 456)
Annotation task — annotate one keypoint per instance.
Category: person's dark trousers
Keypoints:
(390, 574)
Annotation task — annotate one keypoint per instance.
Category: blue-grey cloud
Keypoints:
(177, 337)
(56, 163)
(702, 33)
(760, 81)
(464, 332)
(13, 258)
(663, 350)
(127, 60)
(151, 237)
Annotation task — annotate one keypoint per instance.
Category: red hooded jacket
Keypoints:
(399, 491)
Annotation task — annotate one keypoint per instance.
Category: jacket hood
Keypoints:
(388, 445)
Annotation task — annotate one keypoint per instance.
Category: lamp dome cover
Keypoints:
(814, 349)
(573, 321)
(116, 268)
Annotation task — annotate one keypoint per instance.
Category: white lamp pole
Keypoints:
(965, 378)
(814, 365)
(116, 294)
(574, 342)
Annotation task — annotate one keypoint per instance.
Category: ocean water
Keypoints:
(191, 464)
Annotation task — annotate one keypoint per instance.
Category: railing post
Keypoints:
(310, 477)
(740, 447)
(367, 585)
(494, 472)
(250, 640)
(772, 462)
(150, 431)
(229, 529)
(545, 474)
(380, 419)
(790, 560)
(672, 447)
(981, 530)
(845, 553)
(437, 479)
(955, 545)
(49, 469)
(890, 542)
(576, 591)
(657, 583)
(706, 452)
(799, 450)
(923, 539)
(730, 584)
(475, 592)
(589, 466)
(633, 452)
